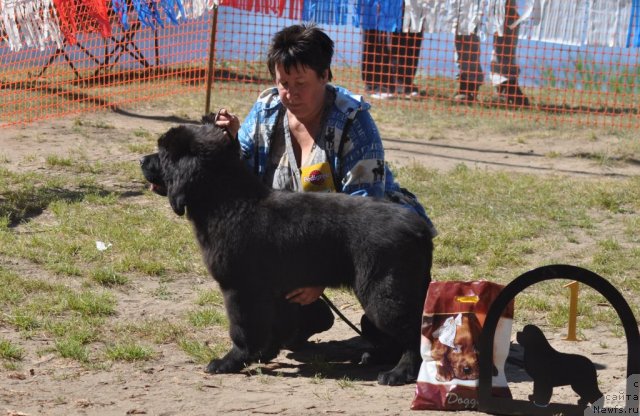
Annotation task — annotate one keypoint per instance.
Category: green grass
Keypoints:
(10, 351)
(346, 383)
(206, 317)
(496, 225)
(60, 288)
(158, 331)
(201, 352)
(58, 161)
(143, 240)
(210, 297)
(129, 351)
(72, 348)
(108, 277)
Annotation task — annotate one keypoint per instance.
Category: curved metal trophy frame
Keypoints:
(496, 405)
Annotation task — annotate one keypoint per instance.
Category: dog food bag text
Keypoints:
(454, 313)
(317, 178)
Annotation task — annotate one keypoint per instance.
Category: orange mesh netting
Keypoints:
(552, 62)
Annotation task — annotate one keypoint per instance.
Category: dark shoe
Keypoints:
(464, 98)
(467, 93)
(410, 92)
(380, 92)
(513, 94)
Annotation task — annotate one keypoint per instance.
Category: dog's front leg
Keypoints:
(251, 314)
(406, 371)
(232, 362)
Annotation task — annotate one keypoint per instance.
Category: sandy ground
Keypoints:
(172, 384)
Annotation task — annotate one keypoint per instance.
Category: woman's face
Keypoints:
(301, 90)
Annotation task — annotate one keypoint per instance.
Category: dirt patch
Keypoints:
(172, 384)
(27, 147)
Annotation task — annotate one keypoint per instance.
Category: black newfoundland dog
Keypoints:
(259, 244)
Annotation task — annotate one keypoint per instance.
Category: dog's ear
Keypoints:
(178, 186)
(176, 141)
(475, 327)
(439, 354)
(222, 136)
(438, 350)
(177, 199)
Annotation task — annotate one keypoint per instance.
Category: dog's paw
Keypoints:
(379, 356)
(223, 366)
(367, 359)
(396, 378)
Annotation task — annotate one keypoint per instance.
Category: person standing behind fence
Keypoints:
(504, 67)
(390, 56)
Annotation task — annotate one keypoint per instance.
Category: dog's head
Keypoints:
(458, 355)
(185, 154)
(531, 337)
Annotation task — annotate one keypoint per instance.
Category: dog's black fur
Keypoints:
(260, 244)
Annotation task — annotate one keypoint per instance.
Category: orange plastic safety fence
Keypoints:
(95, 62)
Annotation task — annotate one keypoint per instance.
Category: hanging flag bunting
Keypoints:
(608, 23)
(10, 24)
(496, 15)
(269, 7)
(169, 7)
(121, 10)
(633, 39)
(196, 8)
(465, 16)
(155, 14)
(93, 17)
(428, 16)
(557, 21)
(461, 17)
(30, 23)
(295, 9)
(67, 14)
(148, 13)
(144, 12)
(383, 15)
(331, 12)
(97, 17)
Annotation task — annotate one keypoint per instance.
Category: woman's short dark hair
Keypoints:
(301, 45)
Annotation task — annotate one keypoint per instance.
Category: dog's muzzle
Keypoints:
(150, 165)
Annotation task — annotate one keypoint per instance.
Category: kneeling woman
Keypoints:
(306, 134)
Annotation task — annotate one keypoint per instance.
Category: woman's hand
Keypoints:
(229, 122)
(305, 295)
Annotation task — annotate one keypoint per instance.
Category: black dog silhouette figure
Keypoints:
(549, 368)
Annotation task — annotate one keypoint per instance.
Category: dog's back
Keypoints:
(343, 237)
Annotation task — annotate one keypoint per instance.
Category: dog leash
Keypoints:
(337, 311)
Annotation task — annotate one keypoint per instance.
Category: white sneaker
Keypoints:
(411, 92)
(381, 95)
(380, 92)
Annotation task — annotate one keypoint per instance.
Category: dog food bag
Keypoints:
(454, 313)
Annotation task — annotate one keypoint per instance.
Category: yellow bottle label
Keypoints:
(317, 178)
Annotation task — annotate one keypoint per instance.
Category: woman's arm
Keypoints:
(363, 165)
(305, 295)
